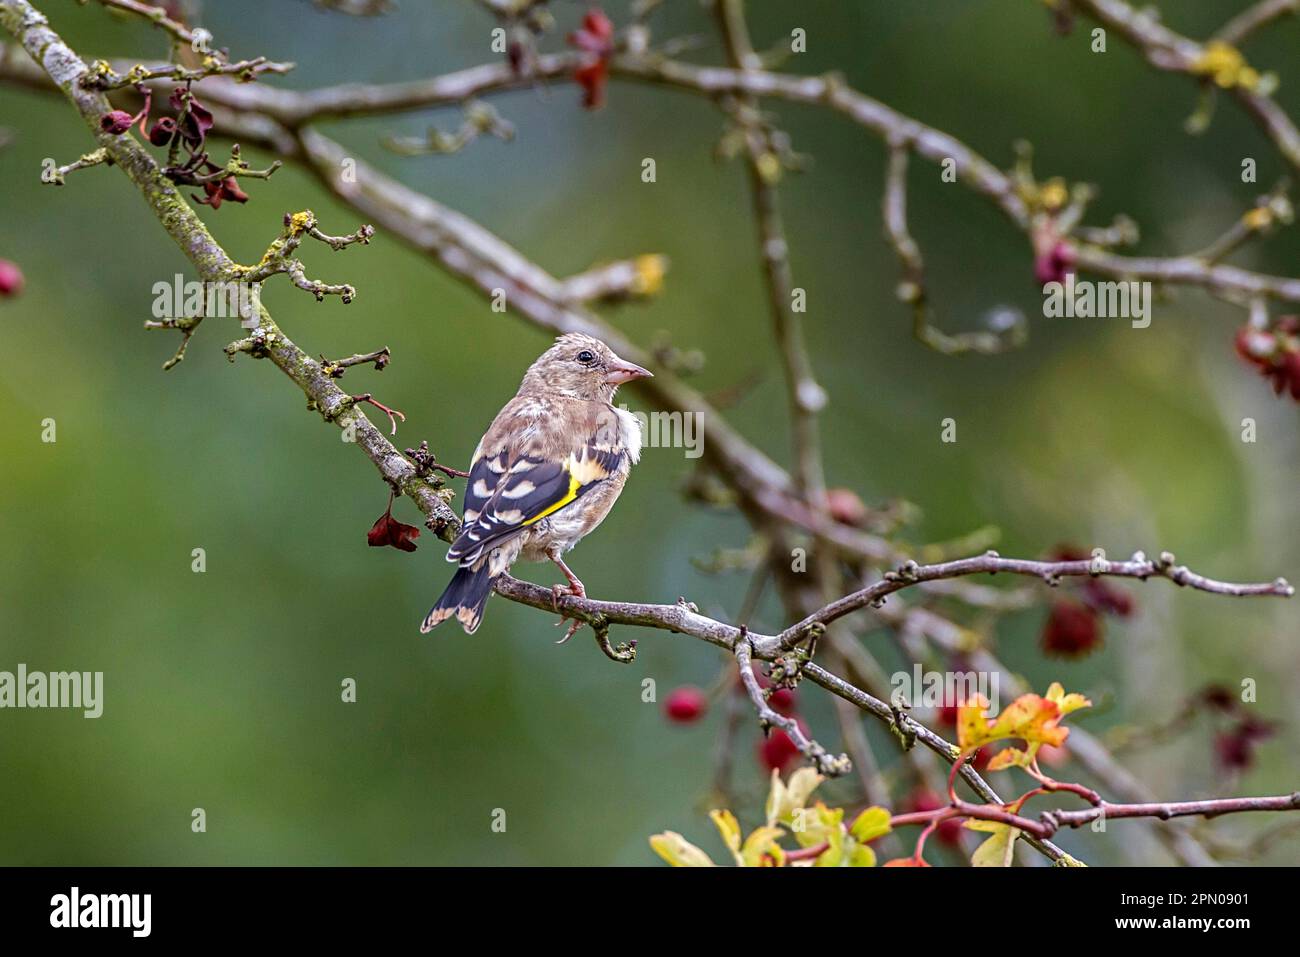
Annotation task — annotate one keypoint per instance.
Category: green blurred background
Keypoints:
(222, 688)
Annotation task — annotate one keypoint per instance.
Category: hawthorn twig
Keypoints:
(65, 70)
(912, 288)
(480, 118)
(1139, 566)
(393, 414)
(216, 62)
(104, 77)
(85, 161)
(1268, 212)
(357, 8)
(278, 257)
(682, 619)
(334, 368)
(1166, 49)
(1051, 821)
(426, 462)
(187, 325)
(1255, 17)
(805, 397)
(271, 117)
(636, 278)
(826, 763)
(158, 17)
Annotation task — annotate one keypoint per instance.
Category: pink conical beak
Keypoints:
(620, 371)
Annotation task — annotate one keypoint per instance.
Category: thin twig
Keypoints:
(826, 763)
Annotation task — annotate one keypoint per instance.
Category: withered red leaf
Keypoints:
(389, 531)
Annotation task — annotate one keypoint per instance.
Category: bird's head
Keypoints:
(580, 367)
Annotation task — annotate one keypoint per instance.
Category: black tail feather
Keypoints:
(464, 598)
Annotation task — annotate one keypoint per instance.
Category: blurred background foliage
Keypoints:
(222, 688)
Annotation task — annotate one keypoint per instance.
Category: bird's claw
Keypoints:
(574, 625)
(577, 590)
(564, 591)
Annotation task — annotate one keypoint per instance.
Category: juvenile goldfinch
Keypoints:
(547, 472)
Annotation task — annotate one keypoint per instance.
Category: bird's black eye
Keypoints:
(586, 357)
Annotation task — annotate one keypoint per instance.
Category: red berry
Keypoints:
(1072, 630)
(777, 750)
(1053, 756)
(686, 704)
(783, 701)
(845, 506)
(11, 278)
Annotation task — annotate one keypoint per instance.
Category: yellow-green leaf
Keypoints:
(870, 824)
(678, 851)
(999, 849)
(812, 825)
(786, 798)
(729, 828)
(776, 799)
(762, 843)
(801, 785)
(833, 856)
(1066, 702)
(861, 856)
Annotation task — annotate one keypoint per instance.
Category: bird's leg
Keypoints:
(575, 588)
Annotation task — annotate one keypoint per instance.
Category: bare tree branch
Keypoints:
(830, 765)
(1169, 50)
(1255, 17)
(30, 28)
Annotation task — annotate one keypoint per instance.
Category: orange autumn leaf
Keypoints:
(1031, 718)
(1066, 702)
(972, 725)
(1009, 758)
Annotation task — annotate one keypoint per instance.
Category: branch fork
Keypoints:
(278, 257)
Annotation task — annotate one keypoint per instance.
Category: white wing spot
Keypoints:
(520, 490)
